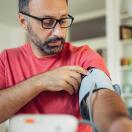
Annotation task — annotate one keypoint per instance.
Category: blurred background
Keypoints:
(104, 25)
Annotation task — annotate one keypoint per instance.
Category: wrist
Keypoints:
(38, 84)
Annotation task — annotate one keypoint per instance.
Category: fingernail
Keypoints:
(86, 73)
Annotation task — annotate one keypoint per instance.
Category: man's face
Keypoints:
(48, 41)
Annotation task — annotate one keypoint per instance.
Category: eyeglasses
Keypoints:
(49, 23)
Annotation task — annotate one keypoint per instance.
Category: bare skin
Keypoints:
(121, 125)
(107, 109)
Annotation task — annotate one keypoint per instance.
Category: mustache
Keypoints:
(55, 39)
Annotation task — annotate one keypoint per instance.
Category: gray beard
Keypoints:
(43, 46)
(51, 50)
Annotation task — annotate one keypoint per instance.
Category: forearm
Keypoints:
(14, 98)
(65, 78)
(121, 125)
(107, 108)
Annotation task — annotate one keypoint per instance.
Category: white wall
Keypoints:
(2, 127)
(11, 36)
(9, 12)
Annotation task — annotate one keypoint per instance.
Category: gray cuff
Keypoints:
(95, 76)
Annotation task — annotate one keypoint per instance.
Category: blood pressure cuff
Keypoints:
(97, 77)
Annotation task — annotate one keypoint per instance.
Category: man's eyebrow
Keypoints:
(49, 16)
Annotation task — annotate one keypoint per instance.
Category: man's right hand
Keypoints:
(12, 99)
(67, 78)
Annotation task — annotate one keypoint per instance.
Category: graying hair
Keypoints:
(24, 5)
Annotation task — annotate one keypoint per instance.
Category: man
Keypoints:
(44, 75)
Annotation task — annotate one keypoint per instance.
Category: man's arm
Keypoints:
(14, 98)
(107, 108)
(99, 100)
(121, 125)
(66, 78)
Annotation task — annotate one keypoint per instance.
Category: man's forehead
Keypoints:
(48, 7)
(47, 4)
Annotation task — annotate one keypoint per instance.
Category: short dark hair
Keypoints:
(24, 5)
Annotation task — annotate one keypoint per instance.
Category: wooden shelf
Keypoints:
(126, 68)
(89, 16)
(126, 16)
(96, 43)
(127, 95)
(127, 41)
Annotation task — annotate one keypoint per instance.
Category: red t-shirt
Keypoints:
(20, 63)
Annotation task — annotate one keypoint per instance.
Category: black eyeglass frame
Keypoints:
(57, 20)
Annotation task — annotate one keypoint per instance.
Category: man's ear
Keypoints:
(23, 21)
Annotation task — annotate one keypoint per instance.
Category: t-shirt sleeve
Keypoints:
(90, 58)
(2, 73)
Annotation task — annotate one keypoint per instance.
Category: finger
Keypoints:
(78, 69)
(76, 76)
(68, 87)
(74, 84)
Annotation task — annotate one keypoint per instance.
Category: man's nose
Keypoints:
(57, 31)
